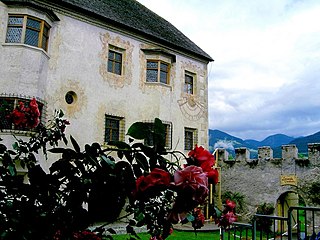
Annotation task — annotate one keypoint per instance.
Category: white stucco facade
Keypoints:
(76, 61)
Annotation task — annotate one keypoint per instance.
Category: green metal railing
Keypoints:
(302, 223)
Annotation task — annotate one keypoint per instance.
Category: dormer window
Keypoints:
(27, 30)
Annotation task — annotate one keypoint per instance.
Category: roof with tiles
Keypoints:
(131, 16)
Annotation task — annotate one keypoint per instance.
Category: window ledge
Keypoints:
(159, 84)
(26, 133)
(26, 46)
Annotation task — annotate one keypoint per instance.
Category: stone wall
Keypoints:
(259, 180)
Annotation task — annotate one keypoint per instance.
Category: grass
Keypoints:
(176, 235)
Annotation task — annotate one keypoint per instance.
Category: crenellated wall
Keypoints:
(267, 179)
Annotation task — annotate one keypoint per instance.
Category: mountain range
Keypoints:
(221, 139)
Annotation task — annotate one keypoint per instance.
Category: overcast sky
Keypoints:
(265, 78)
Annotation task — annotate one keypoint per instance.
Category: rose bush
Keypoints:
(204, 159)
(228, 215)
(26, 116)
(159, 192)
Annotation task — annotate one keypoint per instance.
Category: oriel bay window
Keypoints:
(157, 71)
(27, 30)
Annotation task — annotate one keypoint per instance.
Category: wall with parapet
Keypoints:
(260, 180)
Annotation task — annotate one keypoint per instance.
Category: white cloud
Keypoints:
(265, 77)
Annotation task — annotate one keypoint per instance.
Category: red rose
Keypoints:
(18, 118)
(192, 180)
(230, 205)
(212, 173)
(202, 155)
(33, 104)
(227, 219)
(157, 177)
(21, 106)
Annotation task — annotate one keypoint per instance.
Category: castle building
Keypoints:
(106, 64)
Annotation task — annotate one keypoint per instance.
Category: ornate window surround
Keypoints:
(120, 128)
(160, 56)
(116, 51)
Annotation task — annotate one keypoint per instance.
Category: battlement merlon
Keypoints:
(289, 152)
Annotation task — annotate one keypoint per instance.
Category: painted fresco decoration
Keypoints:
(192, 108)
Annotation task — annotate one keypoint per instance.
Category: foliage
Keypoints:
(264, 224)
(177, 235)
(236, 197)
(51, 204)
(313, 192)
(227, 216)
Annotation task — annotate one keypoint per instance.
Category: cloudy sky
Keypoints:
(266, 75)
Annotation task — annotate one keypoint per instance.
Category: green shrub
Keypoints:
(236, 197)
(264, 224)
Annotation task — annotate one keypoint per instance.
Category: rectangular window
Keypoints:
(190, 138)
(114, 62)
(188, 83)
(7, 105)
(168, 135)
(114, 128)
(27, 30)
(157, 71)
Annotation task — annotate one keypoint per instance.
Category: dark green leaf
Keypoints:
(130, 229)
(129, 156)
(15, 146)
(61, 113)
(111, 230)
(132, 222)
(218, 212)
(138, 130)
(159, 135)
(57, 150)
(12, 170)
(137, 170)
(111, 163)
(75, 144)
(190, 217)
(3, 148)
(12, 152)
(142, 161)
(65, 140)
(22, 164)
(120, 154)
(159, 128)
(119, 144)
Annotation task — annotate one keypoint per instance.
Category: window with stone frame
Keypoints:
(114, 128)
(28, 30)
(157, 71)
(189, 83)
(7, 105)
(168, 134)
(115, 62)
(190, 138)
